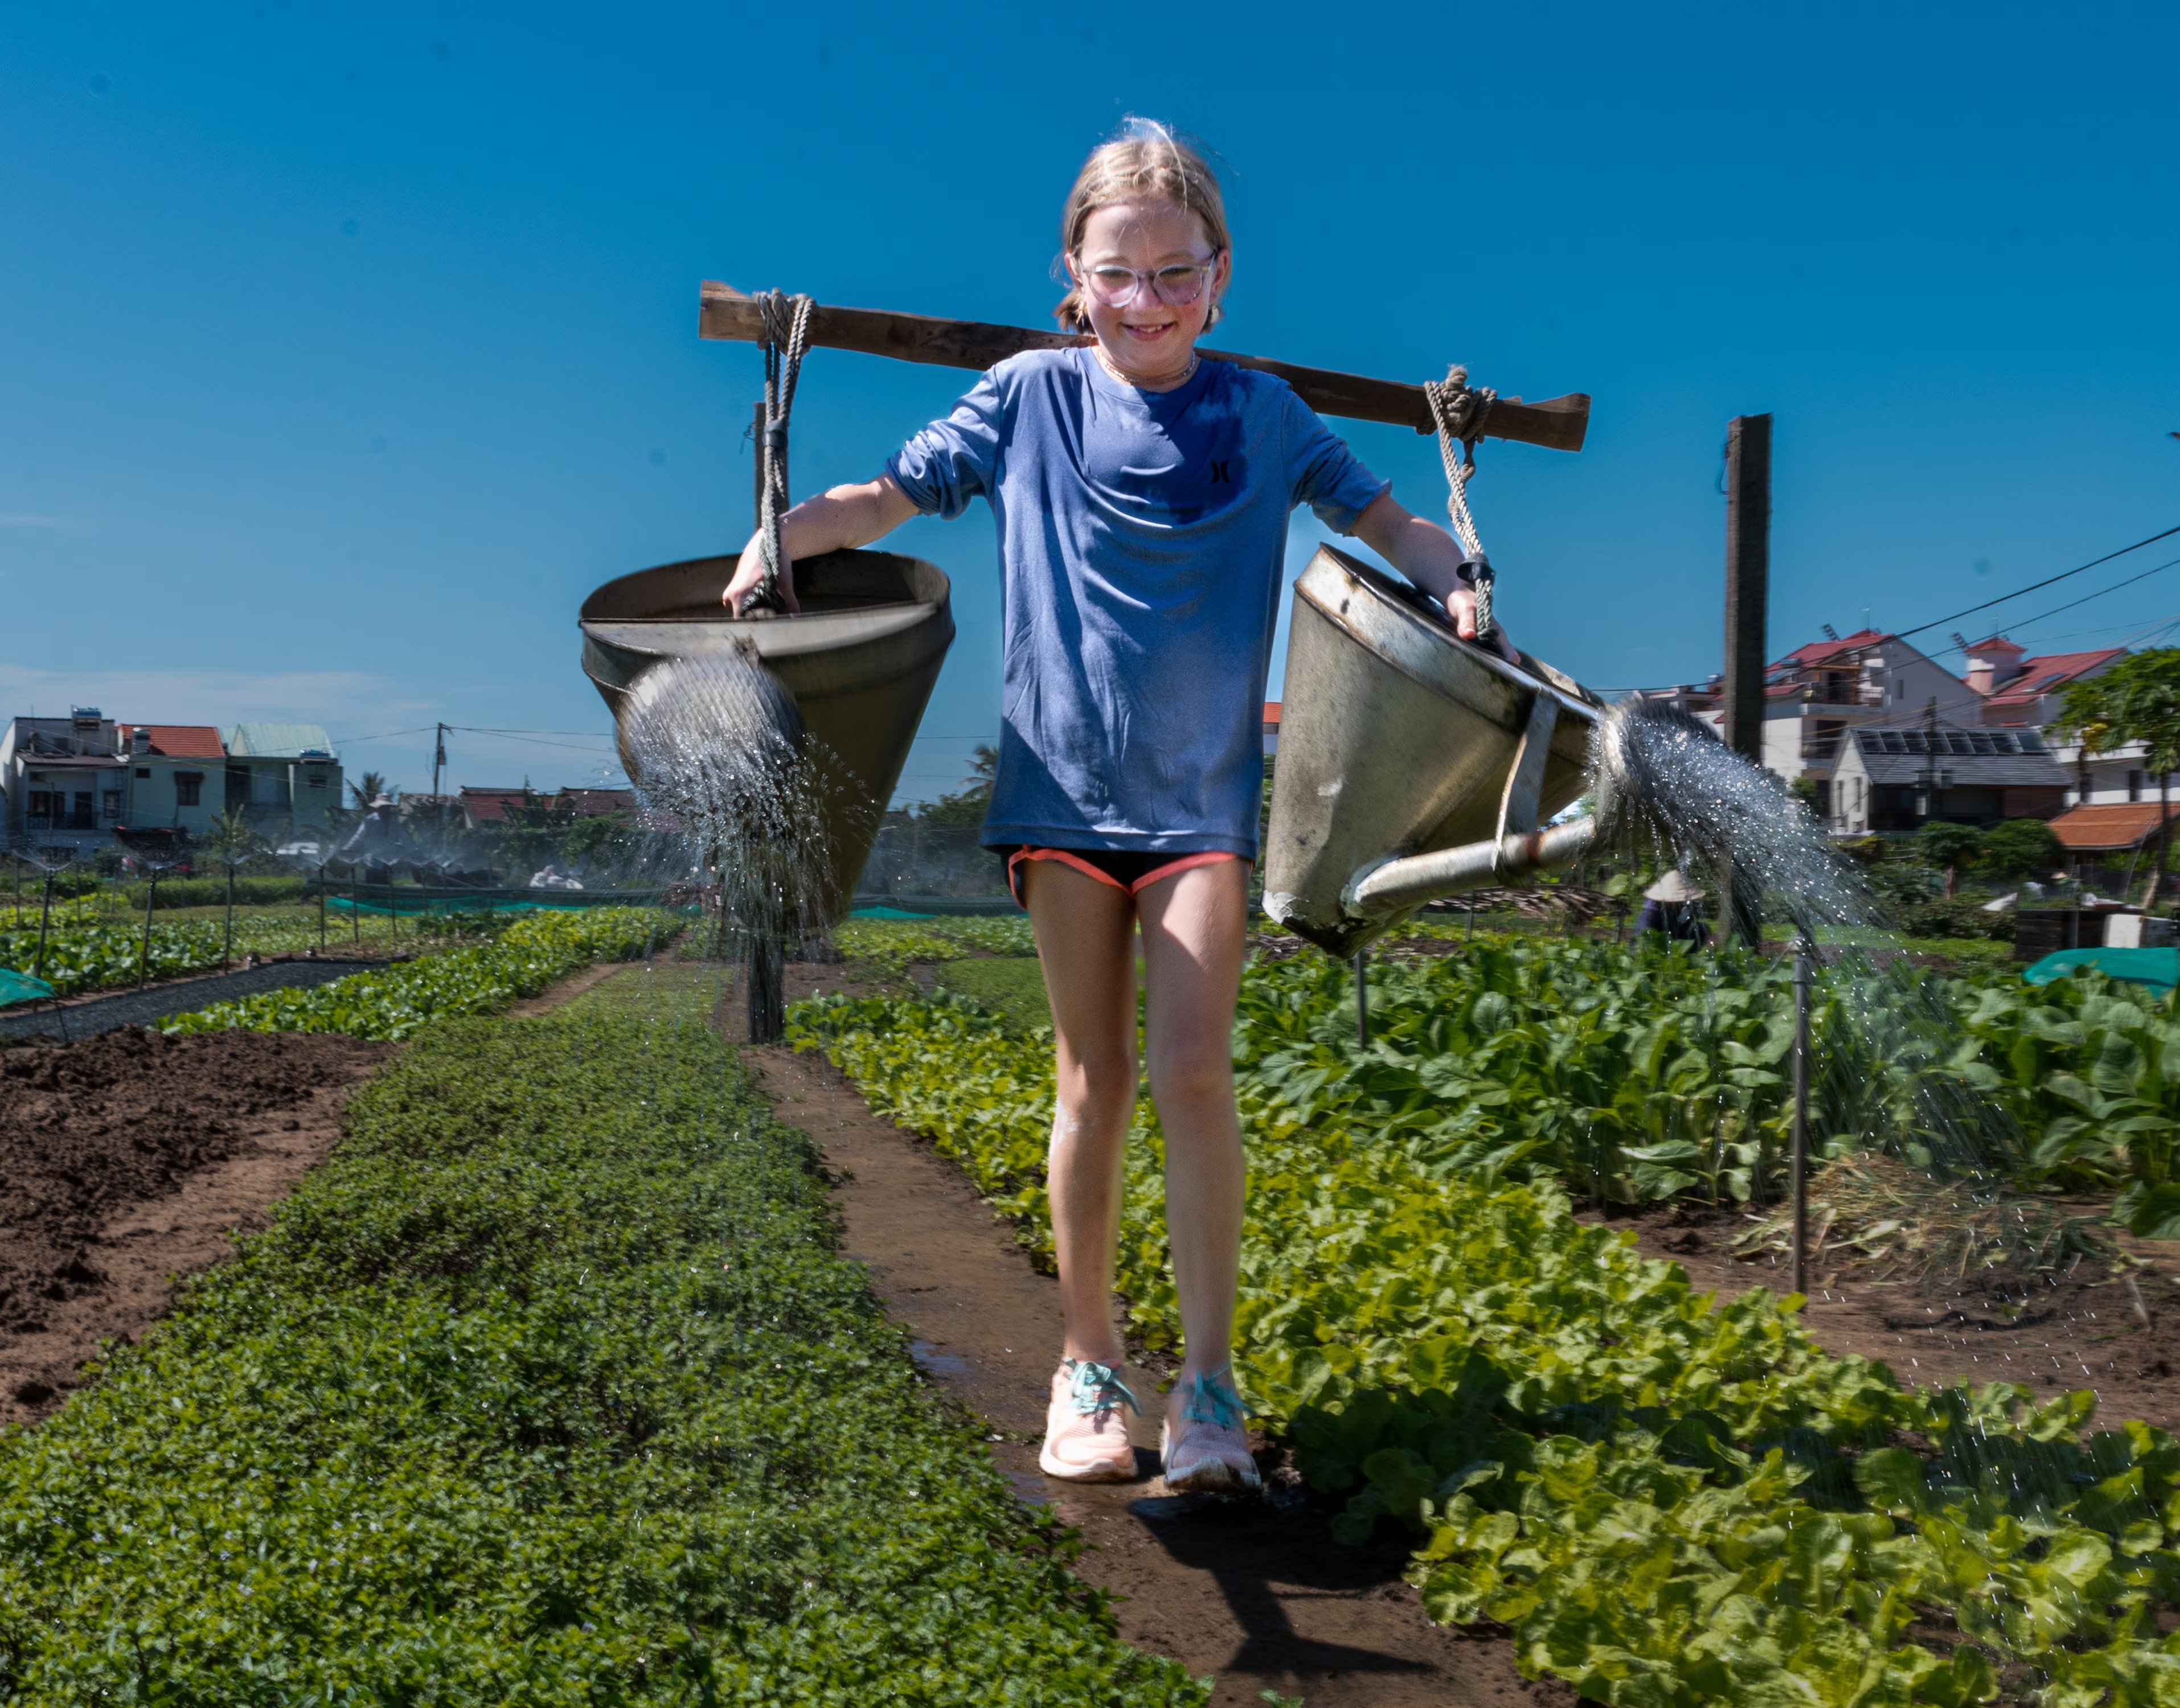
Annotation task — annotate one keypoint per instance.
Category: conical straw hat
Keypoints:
(1672, 887)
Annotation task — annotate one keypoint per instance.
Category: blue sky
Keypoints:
(346, 348)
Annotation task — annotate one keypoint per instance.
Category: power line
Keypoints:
(2099, 593)
(2032, 586)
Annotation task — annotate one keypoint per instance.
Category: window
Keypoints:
(109, 806)
(85, 819)
(2134, 785)
(143, 773)
(41, 803)
(189, 787)
(315, 779)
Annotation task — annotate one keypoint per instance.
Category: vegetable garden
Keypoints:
(1667, 1503)
(549, 1388)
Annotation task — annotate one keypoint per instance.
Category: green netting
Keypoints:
(373, 900)
(2159, 969)
(887, 914)
(21, 987)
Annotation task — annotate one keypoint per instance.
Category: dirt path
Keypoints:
(1257, 1592)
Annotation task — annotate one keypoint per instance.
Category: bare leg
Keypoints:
(1194, 927)
(1086, 941)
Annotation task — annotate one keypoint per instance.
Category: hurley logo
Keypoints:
(1219, 476)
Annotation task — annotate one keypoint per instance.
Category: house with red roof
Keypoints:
(2018, 689)
(2025, 692)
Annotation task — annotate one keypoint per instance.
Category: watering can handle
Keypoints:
(1459, 410)
(786, 338)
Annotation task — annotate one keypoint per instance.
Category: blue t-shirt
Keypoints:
(1143, 541)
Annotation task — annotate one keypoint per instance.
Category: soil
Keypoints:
(1256, 1592)
(2057, 1332)
(128, 1159)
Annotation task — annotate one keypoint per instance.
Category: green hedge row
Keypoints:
(549, 1389)
(211, 891)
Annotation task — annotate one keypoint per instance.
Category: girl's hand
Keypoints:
(749, 572)
(1461, 607)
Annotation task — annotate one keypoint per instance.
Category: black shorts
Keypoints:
(1124, 868)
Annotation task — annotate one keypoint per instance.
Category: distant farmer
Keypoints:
(1142, 495)
(1669, 907)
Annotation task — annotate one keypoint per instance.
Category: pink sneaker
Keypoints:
(1207, 1452)
(1086, 1438)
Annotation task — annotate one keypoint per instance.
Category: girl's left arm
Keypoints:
(1426, 554)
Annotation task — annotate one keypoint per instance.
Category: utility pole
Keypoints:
(438, 764)
(1747, 602)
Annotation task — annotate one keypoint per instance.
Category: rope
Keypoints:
(786, 339)
(1459, 410)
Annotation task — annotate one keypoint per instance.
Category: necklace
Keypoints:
(1125, 378)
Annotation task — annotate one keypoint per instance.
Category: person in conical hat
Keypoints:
(1669, 907)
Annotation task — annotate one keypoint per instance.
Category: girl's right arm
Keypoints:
(843, 516)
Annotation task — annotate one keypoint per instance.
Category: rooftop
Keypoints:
(2047, 675)
(279, 740)
(1975, 758)
(1823, 651)
(174, 740)
(2094, 829)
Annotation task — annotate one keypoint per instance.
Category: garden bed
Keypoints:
(548, 1387)
(2070, 1327)
(126, 1159)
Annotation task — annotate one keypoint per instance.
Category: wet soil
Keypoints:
(1255, 1592)
(2082, 1328)
(128, 1159)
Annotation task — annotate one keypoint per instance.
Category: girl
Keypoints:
(1142, 495)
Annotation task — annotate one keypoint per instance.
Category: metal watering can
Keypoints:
(859, 664)
(1411, 764)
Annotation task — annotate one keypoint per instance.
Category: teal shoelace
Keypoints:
(1096, 1389)
(1214, 1399)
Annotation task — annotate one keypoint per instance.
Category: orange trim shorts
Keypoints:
(1124, 868)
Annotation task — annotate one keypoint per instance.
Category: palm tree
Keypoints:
(230, 841)
(373, 786)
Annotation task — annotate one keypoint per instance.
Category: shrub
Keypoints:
(2020, 848)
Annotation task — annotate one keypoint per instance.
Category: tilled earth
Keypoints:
(2083, 1327)
(128, 1158)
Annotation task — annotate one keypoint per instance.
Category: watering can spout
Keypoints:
(1393, 886)
(1411, 764)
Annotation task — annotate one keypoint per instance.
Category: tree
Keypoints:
(2020, 848)
(1946, 845)
(373, 786)
(967, 805)
(2137, 701)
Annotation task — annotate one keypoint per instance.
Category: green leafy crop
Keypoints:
(1669, 1504)
(549, 1389)
(392, 1002)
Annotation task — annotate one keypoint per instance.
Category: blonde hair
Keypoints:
(1145, 159)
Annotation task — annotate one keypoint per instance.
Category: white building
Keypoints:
(1817, 693)
(62, 786)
